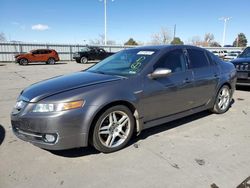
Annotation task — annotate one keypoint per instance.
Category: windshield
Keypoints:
(246, 53)
(124, 63)
(84, 49)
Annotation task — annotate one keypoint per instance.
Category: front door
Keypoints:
(169, 95)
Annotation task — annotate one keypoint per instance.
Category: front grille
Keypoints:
(243, 67)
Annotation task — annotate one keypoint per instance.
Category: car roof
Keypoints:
(42, 49)
(165, 47)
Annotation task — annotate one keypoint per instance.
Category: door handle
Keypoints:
(215, 75)
(187, 81)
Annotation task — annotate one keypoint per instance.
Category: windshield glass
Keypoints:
(84, 49)
(246, 53)
(124, 63)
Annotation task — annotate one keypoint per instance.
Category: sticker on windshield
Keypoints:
(145, 53)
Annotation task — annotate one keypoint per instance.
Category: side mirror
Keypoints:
(159, 73)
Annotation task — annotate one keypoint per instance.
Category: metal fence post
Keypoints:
(70, 51)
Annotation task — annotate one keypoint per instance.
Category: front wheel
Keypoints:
(23, 62)
(113, 129)
(83, 60)
(223, 100)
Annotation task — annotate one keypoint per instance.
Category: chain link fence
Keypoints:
(9, 49)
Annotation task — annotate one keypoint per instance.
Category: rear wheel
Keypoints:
(51, 61)
(223, 100)
(113, 129)
(23, 61)
(83, 60)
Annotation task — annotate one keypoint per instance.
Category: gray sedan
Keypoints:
(124, 94)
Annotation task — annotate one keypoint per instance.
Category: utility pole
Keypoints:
(174, 30)
(225, 19)
(105, 21)
(237, 45)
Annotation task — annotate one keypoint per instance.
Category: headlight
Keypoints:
(58, 107)
(76, 55)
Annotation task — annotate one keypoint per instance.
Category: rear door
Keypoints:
(36, 56)
(45, 54)
(93, 54)
(102, 54)
(206, 76)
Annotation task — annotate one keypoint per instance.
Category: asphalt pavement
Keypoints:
(202, 150)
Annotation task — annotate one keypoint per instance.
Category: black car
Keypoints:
(242, 65)
(90, 53)
(127, 92)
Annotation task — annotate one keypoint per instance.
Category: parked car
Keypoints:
(91, 53)
(242, 64)
(127, 92)
(40, 55)
(221, 54)
(230, 56)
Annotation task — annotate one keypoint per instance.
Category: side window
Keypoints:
(34, 52)
(40, 51)
(211, 58)
(197, 58)
(174, 60)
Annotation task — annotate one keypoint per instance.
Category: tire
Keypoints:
(51, 61)
(83, 60)
(223, 100)
(78, 61)
(23, 61)
(113, 129)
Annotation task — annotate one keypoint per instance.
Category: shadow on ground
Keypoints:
(2, 134)
(171, 125)
(73, 153)
(243, 88)
(80, 152)
(32, 64)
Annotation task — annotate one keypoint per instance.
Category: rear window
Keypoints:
(197, 58)
(245, 53)
(211, 57)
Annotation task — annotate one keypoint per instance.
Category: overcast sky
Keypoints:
(77, 21)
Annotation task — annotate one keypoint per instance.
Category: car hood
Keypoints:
(241, 60)
(20, 55)
(56, 85)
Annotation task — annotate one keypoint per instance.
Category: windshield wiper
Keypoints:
(98, 72)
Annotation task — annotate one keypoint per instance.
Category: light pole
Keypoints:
(105, 21)
(225, 19)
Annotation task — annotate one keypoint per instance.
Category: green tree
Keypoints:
(131, 41)
(240, 41)
(177, 40)
(215, 44)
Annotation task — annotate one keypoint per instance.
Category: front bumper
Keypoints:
(77, 58)
(243, 78)
(70, 128)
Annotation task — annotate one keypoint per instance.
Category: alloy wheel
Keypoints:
(224, 98)
(114, 129)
